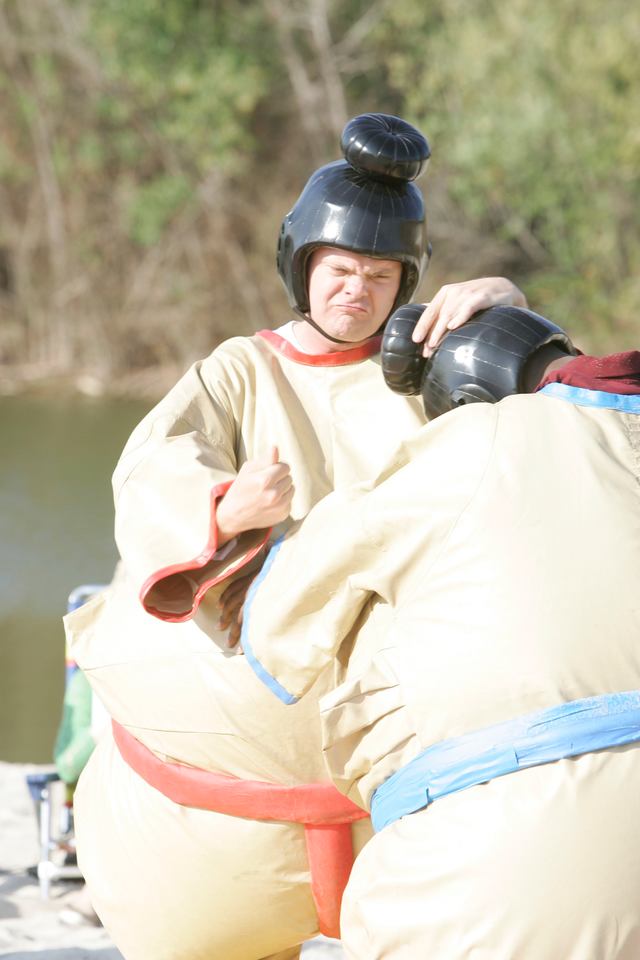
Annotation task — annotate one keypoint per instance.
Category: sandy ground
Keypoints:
(53, 928)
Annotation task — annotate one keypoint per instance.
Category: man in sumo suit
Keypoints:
(206, 823)
(479, 602)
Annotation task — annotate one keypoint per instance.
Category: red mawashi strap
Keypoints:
(326, 814)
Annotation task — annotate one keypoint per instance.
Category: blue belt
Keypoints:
(568, 730)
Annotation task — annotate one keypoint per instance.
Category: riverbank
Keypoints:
(55, 928)
(40, 380)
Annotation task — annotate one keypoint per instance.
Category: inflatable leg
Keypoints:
(169, 881)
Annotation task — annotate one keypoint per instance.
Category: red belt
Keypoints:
(325, 813)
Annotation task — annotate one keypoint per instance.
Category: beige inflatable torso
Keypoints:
(498, 571)
(171, 881)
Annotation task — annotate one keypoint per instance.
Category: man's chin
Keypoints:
(353, 331)
(352, 339)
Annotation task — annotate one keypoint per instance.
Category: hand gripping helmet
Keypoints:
(365, 203)
(484, 360)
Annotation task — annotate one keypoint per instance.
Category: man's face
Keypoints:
(350, 295)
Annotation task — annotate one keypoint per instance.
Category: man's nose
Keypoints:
(355, 284)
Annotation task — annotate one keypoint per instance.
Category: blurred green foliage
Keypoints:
(532, 112)
(187, 70)
(153, 206)
(150, 148)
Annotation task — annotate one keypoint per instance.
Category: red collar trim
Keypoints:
(339, 358)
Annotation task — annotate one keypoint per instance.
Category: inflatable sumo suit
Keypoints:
(482, 601)
(188, 848)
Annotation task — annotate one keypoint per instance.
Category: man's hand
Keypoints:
(231, 605)
(455, 303)
(259, 497)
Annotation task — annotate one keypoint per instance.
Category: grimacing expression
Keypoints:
(351, 295)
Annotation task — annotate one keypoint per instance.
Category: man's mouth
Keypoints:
(352, 307)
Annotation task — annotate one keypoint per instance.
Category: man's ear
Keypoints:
(545, 360)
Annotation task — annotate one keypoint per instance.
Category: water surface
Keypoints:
(56, 532)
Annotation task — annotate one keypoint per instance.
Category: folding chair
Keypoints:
(56, 843)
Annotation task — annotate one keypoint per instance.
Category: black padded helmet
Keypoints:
(484, 360)
(366, 203)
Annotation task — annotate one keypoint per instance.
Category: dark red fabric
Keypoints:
(615, 373)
